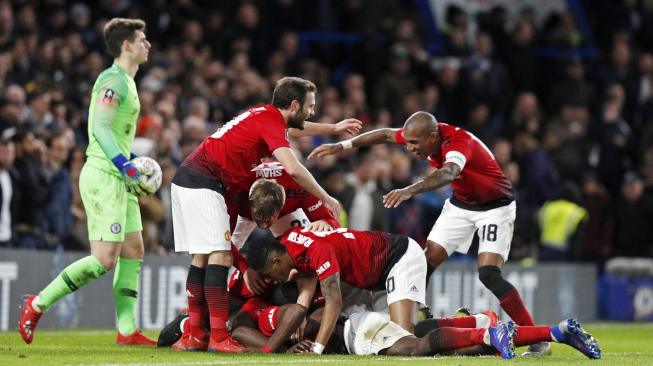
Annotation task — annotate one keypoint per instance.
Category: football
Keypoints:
(152, 171)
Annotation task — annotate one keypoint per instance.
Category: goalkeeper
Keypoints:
(109, 185)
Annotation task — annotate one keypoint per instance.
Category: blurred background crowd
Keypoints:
(563, 97)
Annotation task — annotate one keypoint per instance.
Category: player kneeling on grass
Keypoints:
(365, 259)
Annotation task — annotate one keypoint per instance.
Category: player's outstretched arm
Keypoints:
(330, 288)
(382, 135)
(303, 177)
(437, 179)
(351, 126)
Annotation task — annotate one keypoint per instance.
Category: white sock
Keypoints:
(35, 304)
(482, 321)
(486, 337)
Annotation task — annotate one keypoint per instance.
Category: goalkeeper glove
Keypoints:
(131, 176)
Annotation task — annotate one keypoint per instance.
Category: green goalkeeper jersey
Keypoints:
(113, 112)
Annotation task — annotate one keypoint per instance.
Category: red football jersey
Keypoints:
(481, 180)
(296, 197)
(237, 147)
(363, 258)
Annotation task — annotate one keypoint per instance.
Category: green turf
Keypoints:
(622, 344)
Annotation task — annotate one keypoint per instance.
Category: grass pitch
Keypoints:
(621, 343)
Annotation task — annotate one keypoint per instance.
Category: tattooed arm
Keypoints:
(330, 287)
(437, 179)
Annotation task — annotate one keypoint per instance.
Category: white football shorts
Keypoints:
(200, 220)
(455, 228)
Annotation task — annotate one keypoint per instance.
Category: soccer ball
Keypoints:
(151, 168)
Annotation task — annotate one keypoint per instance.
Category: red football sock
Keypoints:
(197, 308)
(217, 298)
(512, 304)
(527, 335)
(443, 339)
(458, 322)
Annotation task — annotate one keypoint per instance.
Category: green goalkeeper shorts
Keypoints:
(111, 211)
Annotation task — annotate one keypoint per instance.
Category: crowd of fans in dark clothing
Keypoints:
(563, 124)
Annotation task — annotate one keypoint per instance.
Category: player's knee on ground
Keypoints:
(493, 280)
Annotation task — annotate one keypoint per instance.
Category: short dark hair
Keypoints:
(291, 88)
(266, 197)
(262, 252)
(118, 30)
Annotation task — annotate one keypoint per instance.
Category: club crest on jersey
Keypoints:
(287, 135)
(227, 235)
(108, 96)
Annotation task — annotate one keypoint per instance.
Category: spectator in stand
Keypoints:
(614, 138)
(561, 222)
(526, 115)
(58, 218)
(634, 213)
(397, 82)
(487, 77)
(366, 209)
(597, 243)
(10, 190)
(521, 58)
(30, 220)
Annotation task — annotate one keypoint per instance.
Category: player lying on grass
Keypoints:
(267, 328)
(369, 260)
(367, 333)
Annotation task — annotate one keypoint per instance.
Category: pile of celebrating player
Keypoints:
(291, 291)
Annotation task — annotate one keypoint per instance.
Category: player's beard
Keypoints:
(296, 121)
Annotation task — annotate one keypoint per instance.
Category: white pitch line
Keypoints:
(274, 362)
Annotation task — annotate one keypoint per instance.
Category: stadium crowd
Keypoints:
(572, 130)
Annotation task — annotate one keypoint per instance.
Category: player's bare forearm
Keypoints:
(312, 129)
(330, 288)
(292, 318)
(350, 125)
(298, 172)
(306, 289)
(250, 337)
(436, 180)
(382, 135)
(379, 136)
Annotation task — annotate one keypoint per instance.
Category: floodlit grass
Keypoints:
(622, 344)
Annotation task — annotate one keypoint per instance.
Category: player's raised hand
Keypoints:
(350, 125)
(319, 225)
(395, 197)
(333, 205)
(324, 150)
